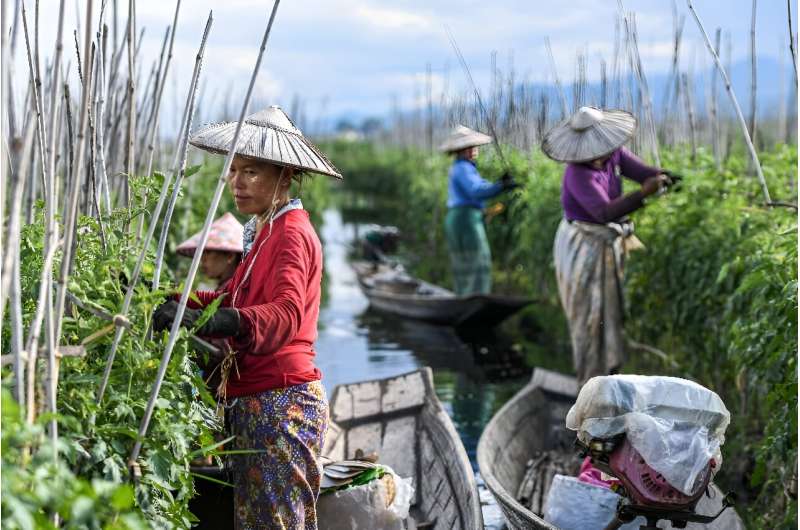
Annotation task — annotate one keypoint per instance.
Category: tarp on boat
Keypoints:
(675, 424)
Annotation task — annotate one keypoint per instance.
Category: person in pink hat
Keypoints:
(223, 251)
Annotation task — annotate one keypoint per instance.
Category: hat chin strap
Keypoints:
(268, 215)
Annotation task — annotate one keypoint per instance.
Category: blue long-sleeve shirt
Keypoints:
(466, 187)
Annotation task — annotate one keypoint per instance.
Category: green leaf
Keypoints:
(208, 448)
(122, 498)
(191, 170)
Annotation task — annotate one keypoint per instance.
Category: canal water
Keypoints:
(474, 376)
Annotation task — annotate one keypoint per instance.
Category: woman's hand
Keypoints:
(224, 323)
(655, 184)
(165, 314)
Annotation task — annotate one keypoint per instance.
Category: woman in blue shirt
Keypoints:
(467, 192)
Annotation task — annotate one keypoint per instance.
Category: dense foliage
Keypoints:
(89, 486)
(95, 440)
(715, 288)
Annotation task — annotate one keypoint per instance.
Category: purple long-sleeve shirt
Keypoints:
(587, 191)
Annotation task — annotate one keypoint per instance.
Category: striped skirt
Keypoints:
(470, 257)
(277, 485)
(589, 260)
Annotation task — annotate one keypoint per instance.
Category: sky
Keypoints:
(356, 58)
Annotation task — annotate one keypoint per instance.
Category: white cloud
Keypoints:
(392, 19)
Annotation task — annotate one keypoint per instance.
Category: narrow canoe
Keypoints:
(532, 422)
(401, 419)
(436, 304)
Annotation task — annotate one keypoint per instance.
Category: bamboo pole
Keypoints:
(17, 338)
(44, 307)
(561, 96)
(752, 122)
(32, 345)
(791, 39)
(76, 172)
(180, 158)
(52, 226)
(714, 107)
(100, 161)
(131, 154)
(174, 331)
(161, 81)
(780, 136)
(160, 84)
(638, 70)
(762, 180)
(687, 94)
(10, 272)
(155, 216)
(5, 151)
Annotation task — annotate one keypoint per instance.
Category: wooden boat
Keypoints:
(413, 298)
(533, 422)
(401, 419)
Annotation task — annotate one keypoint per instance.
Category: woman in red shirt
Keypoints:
(275, 400)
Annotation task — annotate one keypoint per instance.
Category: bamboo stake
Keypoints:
(31, 346)
(791, 39)
(780, 137)
(561, 96)
(5, 154)
(52, 227)
(76, 172)
(10, 271)
(174, 331)
(762, 180)
(687, 94)
(636, 66)
(752, 122)
(131, 154)
(16, 331)
(100, 161)
(155, 216)
(161, 83)
(44, 308)
(714, 108)
(180, 158)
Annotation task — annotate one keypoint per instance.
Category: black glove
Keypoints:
(224, 323)
(675, 180)
(508, 182)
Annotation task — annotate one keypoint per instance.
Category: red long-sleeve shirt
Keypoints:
(278, 306)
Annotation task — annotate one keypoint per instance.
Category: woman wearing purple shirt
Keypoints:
(593, 236)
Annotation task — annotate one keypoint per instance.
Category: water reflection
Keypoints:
(474, 375)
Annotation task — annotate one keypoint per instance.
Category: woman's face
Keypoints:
(600, 163)
(254, 184)
(216, 264)
(470, 153)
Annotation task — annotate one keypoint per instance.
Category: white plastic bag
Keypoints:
(575, 505)
(367, 507)
(675, 424)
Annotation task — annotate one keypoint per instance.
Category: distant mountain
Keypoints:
(768, 90)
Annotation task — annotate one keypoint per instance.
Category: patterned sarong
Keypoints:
(589, 260)
(278, 486)
(470, 256)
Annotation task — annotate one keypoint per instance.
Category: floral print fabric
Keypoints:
(277, 486)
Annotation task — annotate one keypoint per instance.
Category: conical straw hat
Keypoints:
(462, 137)
(589, 134)
(269, 136)
(225, 236)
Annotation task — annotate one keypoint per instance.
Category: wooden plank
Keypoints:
(403, 392)
(356, 400)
